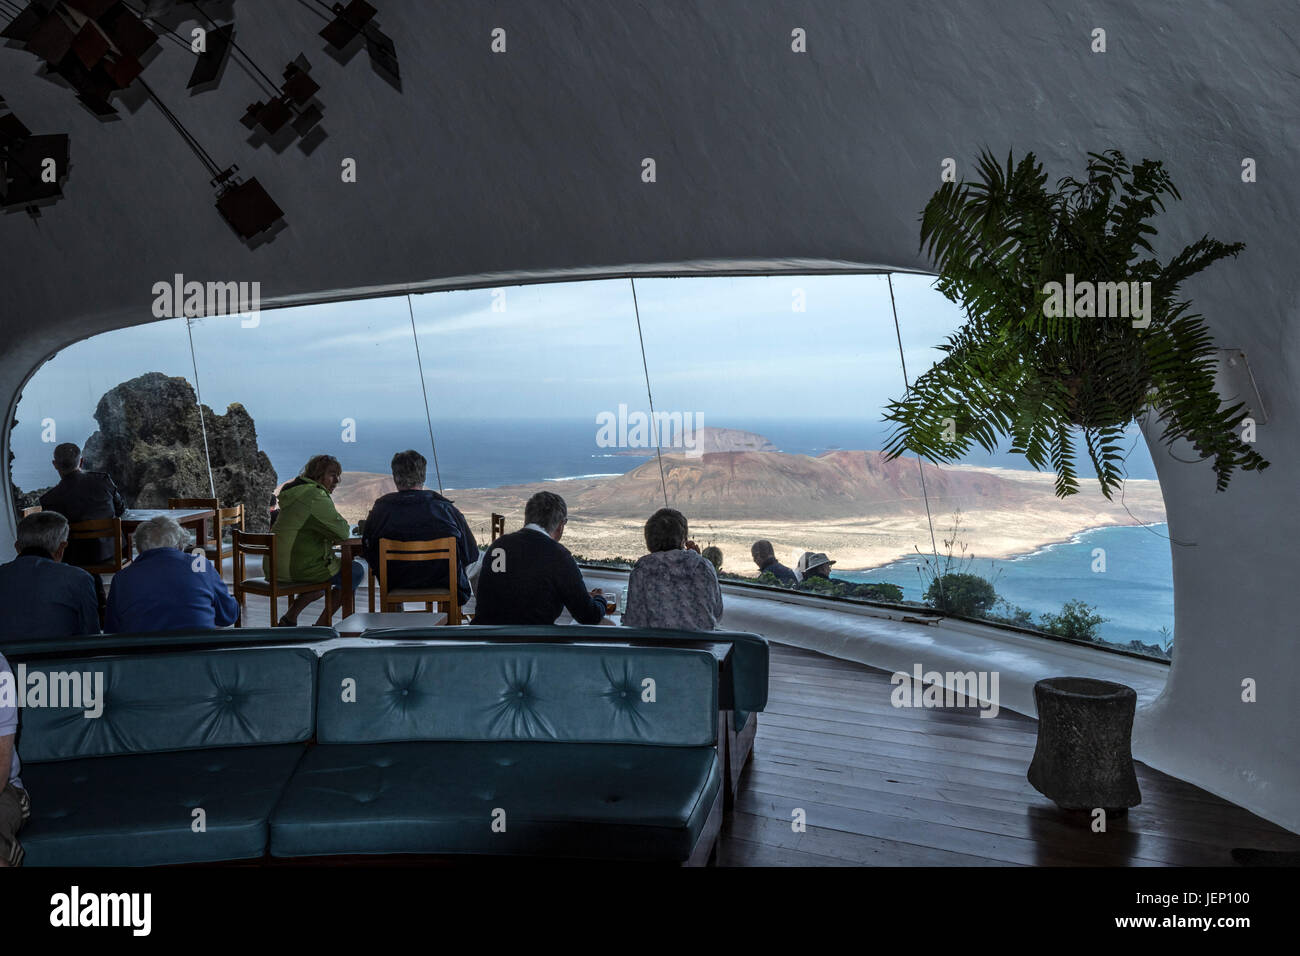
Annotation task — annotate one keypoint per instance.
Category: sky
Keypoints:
(724, 347)
(727, 350)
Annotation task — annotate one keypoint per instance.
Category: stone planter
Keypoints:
(1084, 756)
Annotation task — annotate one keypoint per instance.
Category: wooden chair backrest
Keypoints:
(249, 542)
(232, 517)
(98, 528)
(101, 528)
(438, 549)
(205, 503)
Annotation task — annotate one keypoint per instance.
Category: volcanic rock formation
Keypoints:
(151, 441)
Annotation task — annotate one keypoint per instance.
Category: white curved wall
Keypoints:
(530, 161)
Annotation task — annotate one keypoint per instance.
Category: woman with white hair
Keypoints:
(166, 588)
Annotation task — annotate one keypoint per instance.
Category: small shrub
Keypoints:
(833, 587)
(1010, 613)
(1077, 620)
(963, 595)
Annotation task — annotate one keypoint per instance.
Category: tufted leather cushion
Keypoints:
(136, 810)
(161, 702)
(580, 694)
(611, 801)
(748, 666)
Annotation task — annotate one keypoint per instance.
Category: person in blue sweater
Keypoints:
(167, 589)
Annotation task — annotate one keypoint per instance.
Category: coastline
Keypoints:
(856, 543)
(1047, 546)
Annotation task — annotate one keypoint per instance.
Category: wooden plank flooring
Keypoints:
(886, 786)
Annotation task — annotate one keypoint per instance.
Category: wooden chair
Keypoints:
(217, 549)
(439, 549)
(34, 509)
(498, 525)
(245, 545)
(98, 529)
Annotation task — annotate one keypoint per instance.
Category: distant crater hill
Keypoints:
(741, 484)
(757, 482)
(711, 441)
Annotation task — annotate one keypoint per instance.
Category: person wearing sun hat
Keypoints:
(814, 564)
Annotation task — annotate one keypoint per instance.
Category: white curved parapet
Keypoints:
(878, 637)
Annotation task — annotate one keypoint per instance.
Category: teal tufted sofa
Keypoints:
(375, 749)
(742, 695)
(214, 731)
(509, 750)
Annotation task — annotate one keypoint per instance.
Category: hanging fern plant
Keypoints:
(1073, 326)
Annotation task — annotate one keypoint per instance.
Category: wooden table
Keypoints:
(195, 519)
(349, 548)
(354, 625)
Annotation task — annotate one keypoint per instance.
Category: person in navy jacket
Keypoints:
(41, 596)
(415, 513)
(166, 588)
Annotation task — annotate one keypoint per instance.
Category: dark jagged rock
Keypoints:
(21, 499)
(27, 499)
(150, 440)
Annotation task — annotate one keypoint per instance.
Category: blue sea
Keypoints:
(1135, 592)
(488, 453)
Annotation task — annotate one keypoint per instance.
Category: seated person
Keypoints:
(414, 513)
(166, 588)
(765, 557)
(83, 496)
(527, 576)
(15, 808)
(814, 564)
(713, 556)
(40, 595)
(305, 532)
(673, 586)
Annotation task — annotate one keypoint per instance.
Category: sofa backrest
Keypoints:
(550, 692)
(749, 656)
(154, 702)
(160, 641)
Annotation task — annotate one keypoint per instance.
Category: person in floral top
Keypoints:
(673, 586)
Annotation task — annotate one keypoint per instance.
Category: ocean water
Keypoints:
(1135, 592)
(489, 453)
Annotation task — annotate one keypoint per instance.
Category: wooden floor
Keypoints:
(886, 786)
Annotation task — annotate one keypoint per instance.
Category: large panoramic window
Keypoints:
(768, 394)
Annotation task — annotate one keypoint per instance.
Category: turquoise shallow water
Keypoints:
(1136, 591)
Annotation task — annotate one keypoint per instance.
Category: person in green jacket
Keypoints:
(306, 529)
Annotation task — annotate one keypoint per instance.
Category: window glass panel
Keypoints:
(59, 402)
(1053, 564)
(769, 393)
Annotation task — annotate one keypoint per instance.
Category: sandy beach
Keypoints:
(855, 541)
